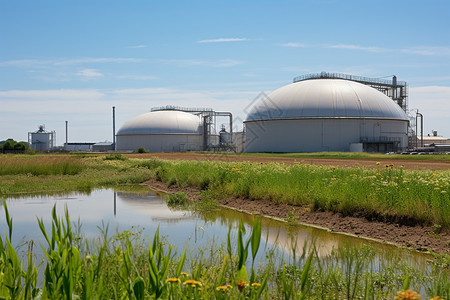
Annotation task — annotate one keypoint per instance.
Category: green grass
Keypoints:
(46, 174)
(344, 155)
(40, 165)
(386, 192)
(121, 266)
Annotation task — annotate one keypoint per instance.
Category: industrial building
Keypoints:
(330, 112)
(41, 140)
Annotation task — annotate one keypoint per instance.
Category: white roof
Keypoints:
(326, 98)
(162, 122)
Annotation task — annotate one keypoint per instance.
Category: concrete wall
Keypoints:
(315, 135)
(160, 142)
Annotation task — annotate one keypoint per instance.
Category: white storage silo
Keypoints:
(41, 140)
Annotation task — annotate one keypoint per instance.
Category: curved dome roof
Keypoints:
(162, 122)
(326, 98)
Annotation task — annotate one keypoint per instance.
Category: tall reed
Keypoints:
(121, 266)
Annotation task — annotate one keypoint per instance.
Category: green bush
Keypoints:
(141, 150)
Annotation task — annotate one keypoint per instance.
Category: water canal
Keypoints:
(141, 210)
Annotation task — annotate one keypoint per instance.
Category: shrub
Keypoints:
(141, 150)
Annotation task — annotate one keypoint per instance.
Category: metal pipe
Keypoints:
(421, 129)
(114, 125)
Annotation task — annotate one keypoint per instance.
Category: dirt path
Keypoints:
(370, 163)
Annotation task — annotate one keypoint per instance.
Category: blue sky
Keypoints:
(74, 60)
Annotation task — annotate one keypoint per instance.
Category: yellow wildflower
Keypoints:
(173, 280)
(256, 284)
(184, 274)
(407, 295)
(222, 288)
(193, 283)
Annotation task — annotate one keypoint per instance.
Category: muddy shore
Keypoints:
(421, 238)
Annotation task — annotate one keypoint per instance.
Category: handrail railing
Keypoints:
(328, 75)
(180, 108)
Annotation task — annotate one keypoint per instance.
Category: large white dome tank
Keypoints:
(326, 115)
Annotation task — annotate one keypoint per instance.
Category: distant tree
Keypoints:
(21, 146)
(9, 145)
(12, 145)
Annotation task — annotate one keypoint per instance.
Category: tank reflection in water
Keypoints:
(143, 211)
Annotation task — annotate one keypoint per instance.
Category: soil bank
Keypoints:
(421, 238)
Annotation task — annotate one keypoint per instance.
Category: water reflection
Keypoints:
(145, 211)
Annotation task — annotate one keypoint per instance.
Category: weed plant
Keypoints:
(122, 267)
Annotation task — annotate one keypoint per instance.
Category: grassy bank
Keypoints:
(21, 174)
(386, 193)
(121, 266)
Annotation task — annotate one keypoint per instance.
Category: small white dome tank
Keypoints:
(161, 131)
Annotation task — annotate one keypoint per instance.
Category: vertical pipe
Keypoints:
(114, 125)
(417, 136)
(67, 132)
(115, 195)
(231, 129)
(421, 130)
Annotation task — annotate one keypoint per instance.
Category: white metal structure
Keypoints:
(326, 115)
(41, 140)
(161, 131)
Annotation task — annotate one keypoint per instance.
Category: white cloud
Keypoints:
(89, 111)
(294, 45)
(428, 50)
(137, 77)
(223, 40)
(221, 63)
(96, 60)
(415, 50)
(358, 47)
(433, 102)
(26, 63)
(39, 95)
(89, 74)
